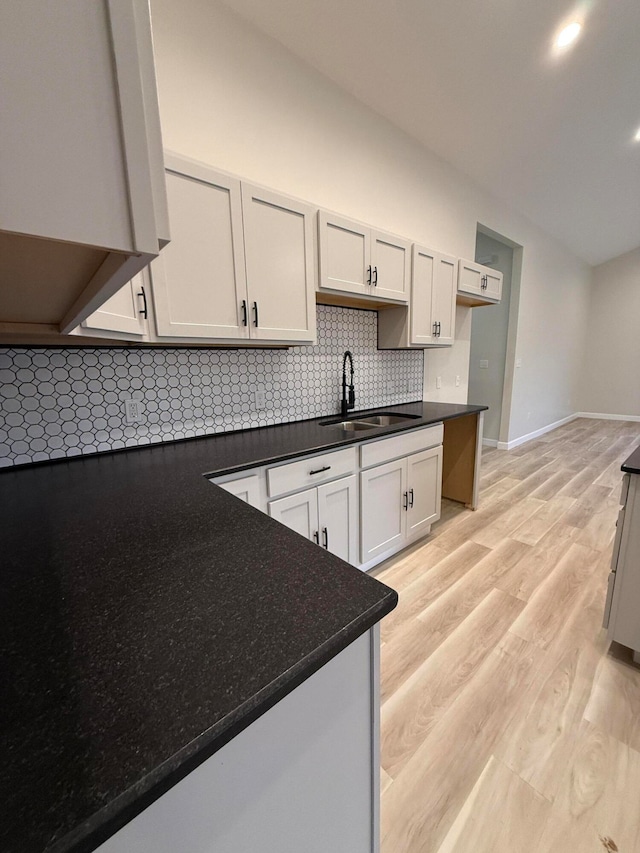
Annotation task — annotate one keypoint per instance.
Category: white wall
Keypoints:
(236, 99)
(611, 378)
(489, 327)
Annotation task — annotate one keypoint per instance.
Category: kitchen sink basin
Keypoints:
(350, 426)
(386, 420)
(369, 421)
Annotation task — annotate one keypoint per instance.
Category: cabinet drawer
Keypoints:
(310, 471)
(385, 449)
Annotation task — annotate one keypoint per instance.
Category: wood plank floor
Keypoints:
(508, 724)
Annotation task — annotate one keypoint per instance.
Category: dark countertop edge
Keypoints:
(631, 465)
(344, 441)
(117, 814)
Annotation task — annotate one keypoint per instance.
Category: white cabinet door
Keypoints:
(246, 488)
(338, 518)
(382, 513)
(470, 278)
(199, 280)
(299, 512)
(278, 234)
(422, 284)
(424, 481)
(444, 299)
(344, 254)
(493, 284)
(391, 266)
(476, 280)
(124, 313)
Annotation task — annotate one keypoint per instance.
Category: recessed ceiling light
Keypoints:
(568, 34)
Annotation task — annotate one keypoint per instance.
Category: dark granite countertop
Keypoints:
(147, 617)
(632, 464)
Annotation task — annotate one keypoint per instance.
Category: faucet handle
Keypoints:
(352, 397)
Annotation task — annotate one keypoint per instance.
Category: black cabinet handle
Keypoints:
(244, 312)
(375, 276)
(435, 330)
(144, 311)
(325, 538)
(405, 500)
(320, 470)
(411, 498)
(255, 313)
(316, 537)
(369, 274)
(438, 328)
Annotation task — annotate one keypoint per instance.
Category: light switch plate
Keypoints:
(260, 398)
(484, 363)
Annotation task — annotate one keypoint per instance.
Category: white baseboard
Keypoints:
(603, 417)
(509, 445)
(516, 442)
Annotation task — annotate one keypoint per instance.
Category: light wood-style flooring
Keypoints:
(508, 724)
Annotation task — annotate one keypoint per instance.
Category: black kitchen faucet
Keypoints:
(350, 401)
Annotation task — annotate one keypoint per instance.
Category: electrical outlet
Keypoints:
(389, 388)
(438, 381)
(518, 362)
(133, 411)
(457, 381)
(483, 363)
(260, 398)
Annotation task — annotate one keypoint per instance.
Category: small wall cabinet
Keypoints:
(430, 319)
(477, 284)
(357, 259)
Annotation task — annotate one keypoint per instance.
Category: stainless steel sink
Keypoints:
(351, 426)
(370, 421)
(386, 420)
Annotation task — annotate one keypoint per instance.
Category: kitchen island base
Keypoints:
(302, 777)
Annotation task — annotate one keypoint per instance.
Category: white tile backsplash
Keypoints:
(56, 403)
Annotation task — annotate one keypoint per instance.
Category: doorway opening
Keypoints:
(493, 337)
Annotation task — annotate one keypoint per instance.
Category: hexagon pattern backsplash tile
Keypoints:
(68, 402)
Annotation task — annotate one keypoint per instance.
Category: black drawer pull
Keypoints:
(411, 498)
(255, 312)
(316, 537)
(320, 470)
(369, 274)
(325, 538)
(244, 312)
(375, 276)
(405, 500)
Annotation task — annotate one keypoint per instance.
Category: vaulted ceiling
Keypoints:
(551, 133)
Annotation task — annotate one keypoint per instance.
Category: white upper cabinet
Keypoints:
(199, 280)
(356, 259)
(124, 315)
(240, 266)
(278, 235)
(477, 284)
(431, 318)
(82, 206)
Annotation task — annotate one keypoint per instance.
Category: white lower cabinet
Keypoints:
(327, 514)
(362, 503)
(400, 501)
